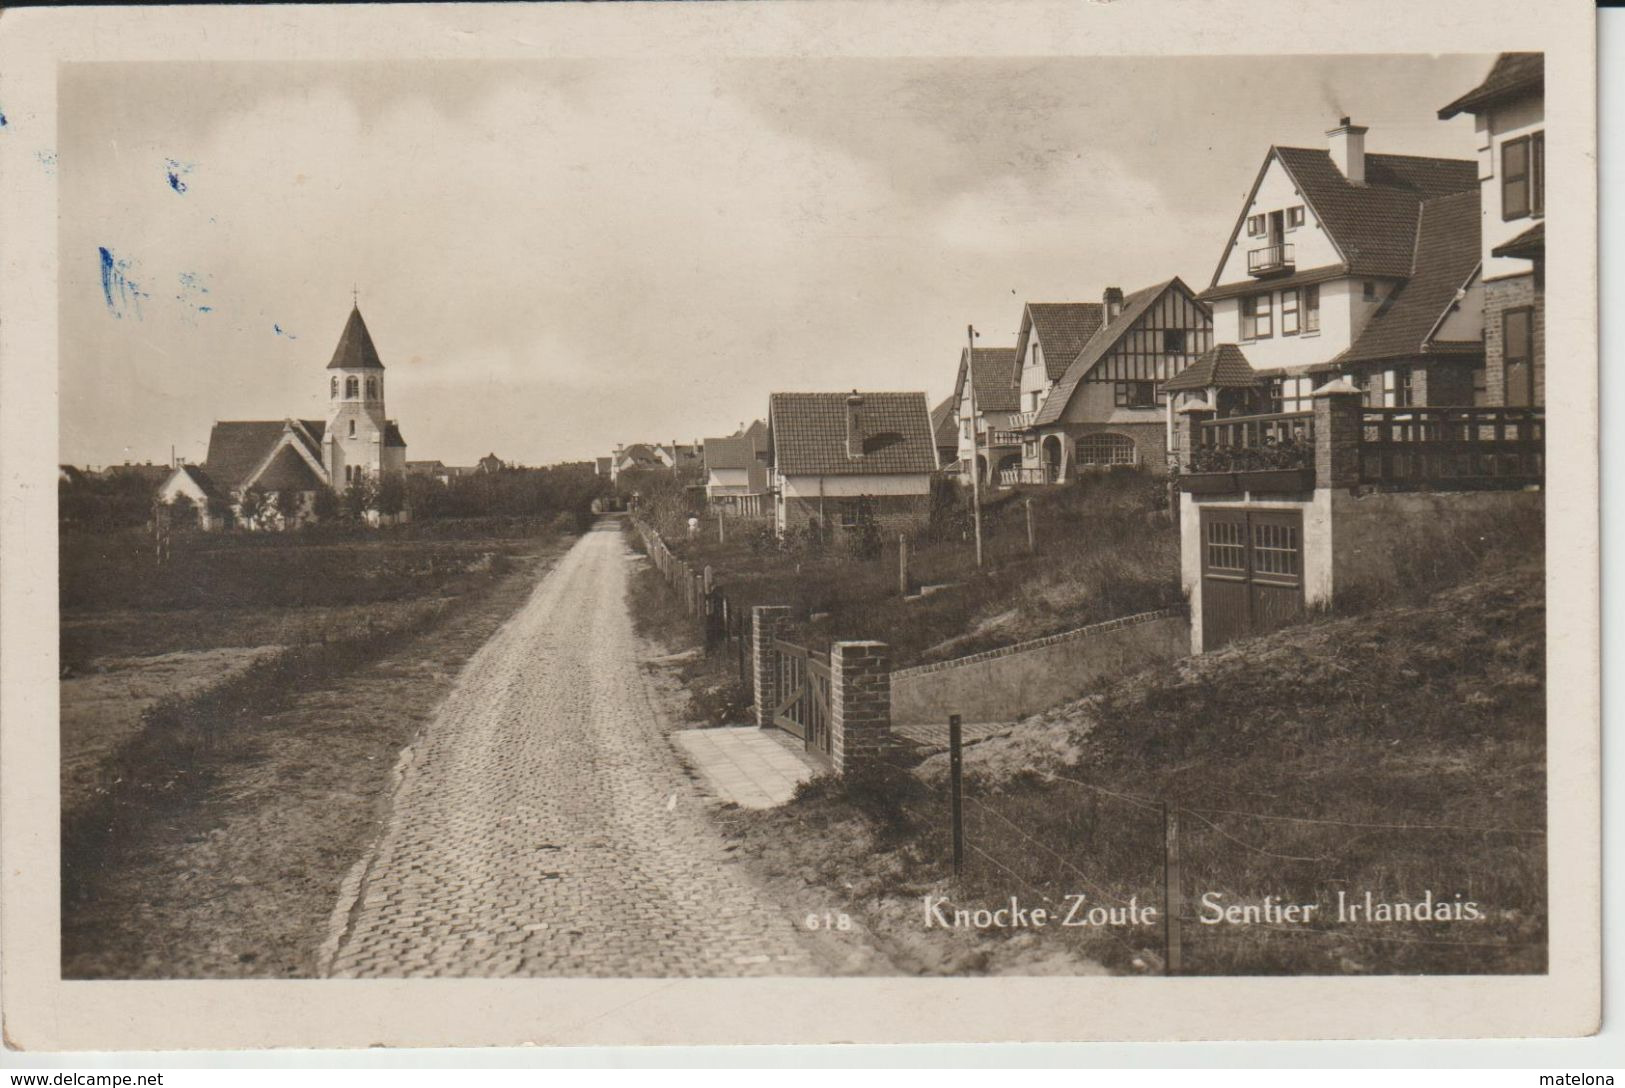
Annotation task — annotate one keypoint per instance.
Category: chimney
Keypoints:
(1112, 299)
(1347, 145)
(854, 425)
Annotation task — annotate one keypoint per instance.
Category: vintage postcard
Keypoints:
(656, 523)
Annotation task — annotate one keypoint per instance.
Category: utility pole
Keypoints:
(975, 441)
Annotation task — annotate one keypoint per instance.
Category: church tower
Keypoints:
(359, 439)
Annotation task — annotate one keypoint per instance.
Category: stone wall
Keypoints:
(1014, 681)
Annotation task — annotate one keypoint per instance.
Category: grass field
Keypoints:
(1399, 752)
(1105, 549)
(1395, 746)
(229, 722)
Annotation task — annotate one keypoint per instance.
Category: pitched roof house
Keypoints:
(992, 377)
(1104, 408)
(1343, 261)
(845, 460)
(1350, 298)
(1051, 335)
(736, 470)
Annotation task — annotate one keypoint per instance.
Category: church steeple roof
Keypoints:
(355, 350)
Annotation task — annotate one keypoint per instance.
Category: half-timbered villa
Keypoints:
(1106, 409)
(1050, 337)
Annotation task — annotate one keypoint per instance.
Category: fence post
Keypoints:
(902, 564)
(859, 703)
(956, 766)
(765, 622)
(1173, 904)
(722, 531)
(1032, 536)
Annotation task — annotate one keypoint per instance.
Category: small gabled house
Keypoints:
(211, 503)
(1509, 119)
(736, 471)
(845, 461)
(1107, 408)
(987, 392)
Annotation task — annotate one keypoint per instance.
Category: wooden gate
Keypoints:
(803, 710)
(1252, 572)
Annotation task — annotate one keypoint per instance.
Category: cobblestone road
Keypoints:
(542, 826)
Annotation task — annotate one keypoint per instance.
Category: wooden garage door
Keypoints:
(1252, 572)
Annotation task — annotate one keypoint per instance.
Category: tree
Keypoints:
(359, 497)
(254, 505)
(182, 512)
(325, 505)
(289, 501)
(391, 494)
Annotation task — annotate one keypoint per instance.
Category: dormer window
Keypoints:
(352, 388)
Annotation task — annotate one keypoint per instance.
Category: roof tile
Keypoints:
(809, 434)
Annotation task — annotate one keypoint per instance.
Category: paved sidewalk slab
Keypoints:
(744, 764)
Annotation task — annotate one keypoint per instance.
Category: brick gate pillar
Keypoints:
(766, 619)
(1338, 406)
(859, 704)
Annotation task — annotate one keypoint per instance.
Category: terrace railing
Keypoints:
(1473, 447)
(1457, 448)
(1042, 474)
(1277, 440)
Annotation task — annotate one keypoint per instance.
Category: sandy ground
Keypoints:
(243, 883)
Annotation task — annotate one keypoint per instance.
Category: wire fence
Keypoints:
(1185, 888)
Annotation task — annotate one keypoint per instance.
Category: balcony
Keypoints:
(1388, 449)
(1022, 420)
(1270, 260)
(1038, 476)
(998, 438)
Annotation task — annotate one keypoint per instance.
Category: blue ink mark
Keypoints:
(280, 331)
(175, 170)
(192, 289)
(122, 294)
(3, 121)
(47, 160)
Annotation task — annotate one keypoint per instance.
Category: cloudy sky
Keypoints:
(555, 257)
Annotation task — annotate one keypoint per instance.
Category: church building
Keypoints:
(298, 457)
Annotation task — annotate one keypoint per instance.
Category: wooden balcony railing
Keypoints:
(1278, 440)
(1474, 447)
(1003, 438)
(1266, 259)
(1043, 474)
(1455, 448)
